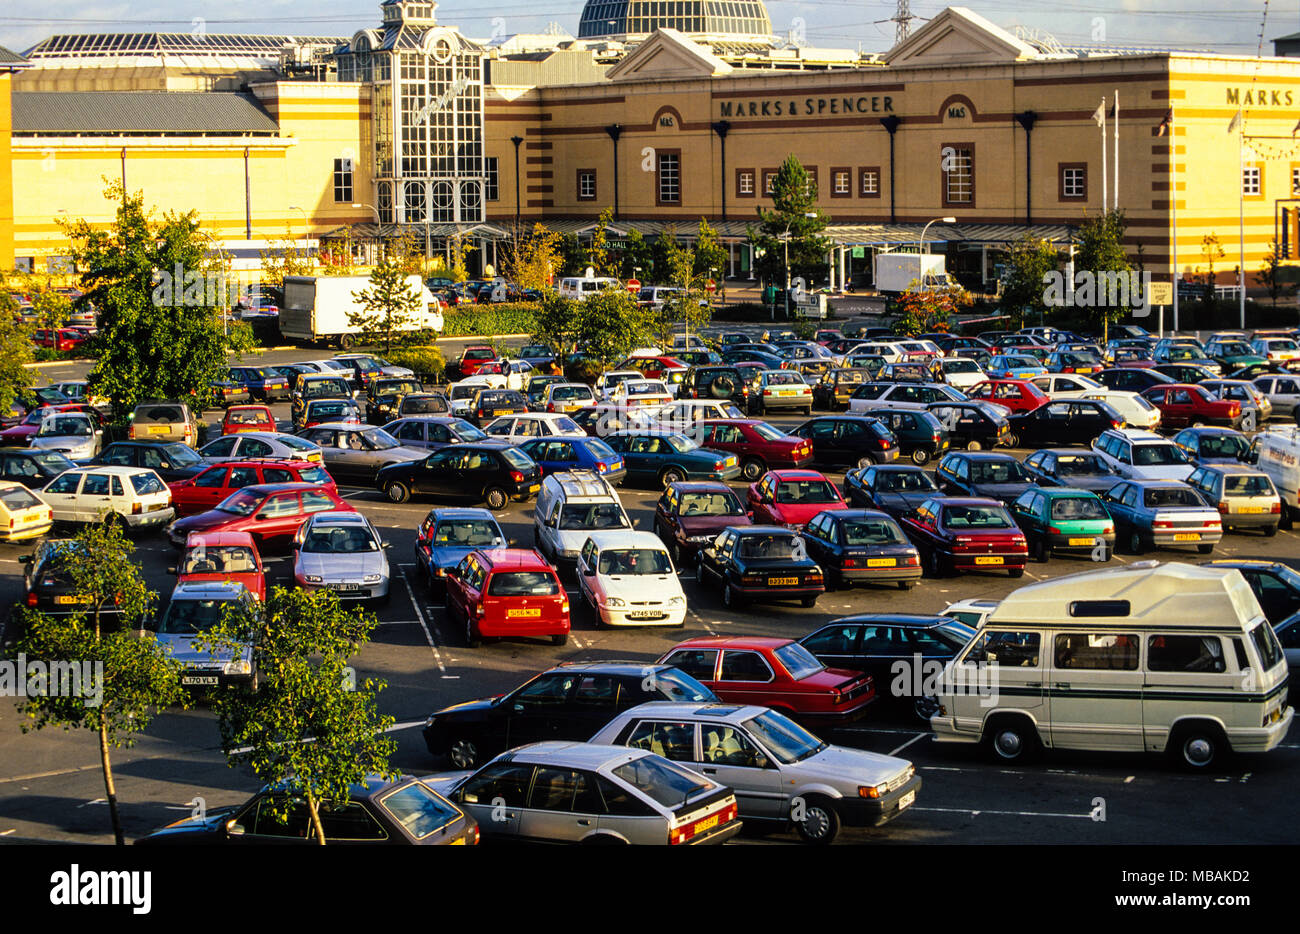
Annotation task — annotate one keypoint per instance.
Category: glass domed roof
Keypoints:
(636, 19)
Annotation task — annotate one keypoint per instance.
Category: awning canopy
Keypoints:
(371, 231)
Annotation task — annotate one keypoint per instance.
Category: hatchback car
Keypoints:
(262, 383)
(1066, 467)
(23, 514)
(432, 432)
(973, 426)
(134, 497)
(358, 453)
(384, 397)
(1245, 496)
(861, 546)
(342, 552)
(222, 556)
(966, 534)
(194, 609)
(1213, 445)
(518, 428)
(319, 411)
(171, 460)
(214, 483)
(508, 592)
(1016, 395)
(776, 673)
(423, 403)
(1142, 455)
(856, 440)
(163, 421)
(447, 535)
(580, 453)
(920, 435)
(49, 588)
(241, 418)
(270, 512)
(894, 489)
(660, 459)
(627, 578)
(1162, 513)
(782, 774)
(757, 444)
(490, 472)
(1064, 520)
(566, 397)
(1182, 404)
(792, 497)
(997, 476)
(252, 445)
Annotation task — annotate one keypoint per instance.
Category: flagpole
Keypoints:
(1173, 206)
(1117, 149)
(1241, 218)
(1105, 194)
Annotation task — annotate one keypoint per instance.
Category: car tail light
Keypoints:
(31, 598)
(1223, 508)
(1162, 524)
(1214, 524)
(1054, 530)
(516, 476)
(751, 578)
(1276, 508)
(849, 563)
(550, 406)
(1108, 530)
(478, 610)
(719, 465)
(910, 561)
(137, 508)
(883, 443)
(813, 576)
(1114, 423)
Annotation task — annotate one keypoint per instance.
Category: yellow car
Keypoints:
(23, 514)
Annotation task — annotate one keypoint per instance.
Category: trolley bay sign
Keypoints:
(807, 107)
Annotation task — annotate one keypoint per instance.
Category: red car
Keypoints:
(507, 592)
(757, 444)
(776, 673)
(473, 357)
(205, 490)
(270, 512)
(1018, 395)
(652, 367)
(247, 418)
(690, 514)
(828, 336)
(1184, 404)
(792, 497)
(21, 434)
(966, 533)
(222, 556)
(60, 338)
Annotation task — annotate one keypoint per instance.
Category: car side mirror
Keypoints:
(234, 828)
(25, 559)
(171, 570)
(260, 517)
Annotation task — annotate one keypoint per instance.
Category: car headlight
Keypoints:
(677, 601)
(313, 578)
(238, 667)
(615, 601)
(372, 578)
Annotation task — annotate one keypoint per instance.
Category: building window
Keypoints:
(841, 182)
(744, 183)
(1251, 185)
(869, 181)
(957, 163)
(769, 178)
(343, 181)
(668, 178)
(811, 188)
(1295, 181)
(586, 184)
(1073, 182)
(492, 189)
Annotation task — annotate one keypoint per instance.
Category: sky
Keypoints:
(1229, 26)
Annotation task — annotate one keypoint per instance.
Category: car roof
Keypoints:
(461, 512)
(505, 559)
(623, 538)
(337, 516)
(118, 469)
(217, 539)
(208, 590)
(701, 486)
(574, 755)
(984, 456)
(797, 474)
(945, 501)
(737, 642)
(904, 620)
(679, 710)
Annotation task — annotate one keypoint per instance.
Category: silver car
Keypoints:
(582, 793)
(259, 445)
(781, 773)
(72, 434)
(355, 453)
(342, 552)
(194, 608)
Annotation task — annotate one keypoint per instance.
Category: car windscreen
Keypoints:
(668, 784)
(783, 738)
(976, 517)
(904, 481)
(569, 393)
(418, 810)
(147, 483)
(51, 461)
(1008, 471)
(616, 562)
(770, 546)
(806, 492)
(467, 533)
(159, 413)
(332, 411)
(242, 503)
(1248, 485)
(185, 617)
(523, 584)
(65, 427)
(798, 661)
(339, 540)
(424, 405)
(180, 455)
(859, 532)
(711, 504)
(1170, 496)
(1080, 465)
(1157, 455)
(1074, 508)
(575, 516)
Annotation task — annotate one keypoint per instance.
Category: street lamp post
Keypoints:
(941, 220)
(305, 226)
(785, 241)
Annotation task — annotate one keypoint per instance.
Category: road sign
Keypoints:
(1160, 293)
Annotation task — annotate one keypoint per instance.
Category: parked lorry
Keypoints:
(897, 273)
(316, 309)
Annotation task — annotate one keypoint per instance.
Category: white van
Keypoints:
(1169, 658)
(570, 506)
(581, 288)
(1278, 453)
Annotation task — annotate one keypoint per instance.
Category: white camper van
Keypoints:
(1169, 658)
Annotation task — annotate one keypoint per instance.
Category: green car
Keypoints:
(661, 458)
(1232, 355)
(1065, 520)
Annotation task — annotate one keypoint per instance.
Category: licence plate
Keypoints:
(534, 487)
(785, 392)
(66, 601)
(1081, 541)
(313, 457)
(882, 562)
(156, 506)
(782, 581)
(907, 800)
(1187, 536)
(989, 559)
(707, 824)
(524, 613)
(345, 587)
(198, 679)
(159, 429)
(644, 614)
(1251, 509)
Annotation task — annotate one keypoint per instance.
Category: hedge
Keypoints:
(426, 362)
(489, 320)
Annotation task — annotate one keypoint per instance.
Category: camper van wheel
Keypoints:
(1287, 517)
(1197, 746)
(1011, 739)
(346, 341)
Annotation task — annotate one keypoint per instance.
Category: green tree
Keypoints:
(638, 258)
(160, 299)
(15, 350)
(1100, 249)
(534, 258)
(710, 256)
(574, 254)
(598, 253)
(557, 323)
(1271, 275)
(311, 723)
(50, 307)
(286, 258)
(1023, 285)
(136, 678)
(689, 308)
(794, 214)
(389, 309)
(611, 324)
(1212, 250)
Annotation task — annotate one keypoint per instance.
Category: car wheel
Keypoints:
(1039, 550)
(1016, 573)
(730, 599)
(752, 468)
(808, 602)
(974, 446)
(1135, 544)
(934, 564)
(472, 638)
(1204, 549)
(559, 638)
(1197, 747)
(462, 753)
(671, 475)
(398, 492)
(821, 822)
(1270, 531)
(924, 708)
(808, 412)
(1012, 739)
(346, 341)
(496, 498)
(1012, 440)
(699, 570)
(675, 553)
(920, 457)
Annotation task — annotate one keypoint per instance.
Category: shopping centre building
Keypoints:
(663, 111)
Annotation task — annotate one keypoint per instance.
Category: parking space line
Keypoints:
(415, 604)
(976, 812)
(894, 752)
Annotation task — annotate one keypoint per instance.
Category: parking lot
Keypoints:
(51, 787)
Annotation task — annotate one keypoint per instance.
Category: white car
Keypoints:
(461, 395)
(73, 434)
(628, 579)
(341, 552)
(1276, 349)
(1142, 455)
(648, 392)
(136, 496)
(1137, 410)
(606, 383)
(974, 613)
(567, 397)
(1066, 385)
(962, 372)
(534, 425)
(1280, 390)
(909, 396)
(260, 444)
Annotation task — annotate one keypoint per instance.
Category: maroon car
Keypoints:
(758, 446)
(270, 512)
(21, 434)
(690, 514)
(966, 533)
(776, 673)
(1184, 404)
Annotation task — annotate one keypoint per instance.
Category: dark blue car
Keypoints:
(661, 459)
(593, 454)
(447, 535)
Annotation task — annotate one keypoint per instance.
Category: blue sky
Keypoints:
(1231, 26)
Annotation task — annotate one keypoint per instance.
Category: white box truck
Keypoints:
(316, 308)
(896, 272)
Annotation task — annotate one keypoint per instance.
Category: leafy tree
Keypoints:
(534, 258)
(710, 255)
(928, 310)
(15, 350)
(1101, 250)
(638, 258)
(575, 255)
(1272, 276)
(160, 298)
(1022, 291)
(794, 213)
(558, 323)
(136, 680)
(683, 308)
(1212, 250)
(598, 252)
(310, 724)
(286, 258)
(50, 307)
(389, 308)
(611, 324)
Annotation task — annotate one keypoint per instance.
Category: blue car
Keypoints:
(593, 454)
(449, 534)
(662, 458)
(1014, 366)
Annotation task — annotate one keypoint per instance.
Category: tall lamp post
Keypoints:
(785, 241)
(937, 220)
(517, 140)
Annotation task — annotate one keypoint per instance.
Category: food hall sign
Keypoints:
(807, 107)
